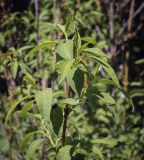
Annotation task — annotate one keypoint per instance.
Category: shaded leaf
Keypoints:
(56, 119)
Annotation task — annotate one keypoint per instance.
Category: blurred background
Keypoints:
(116, 25)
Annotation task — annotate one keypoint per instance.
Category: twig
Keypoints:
(66, 114)
(132, 18)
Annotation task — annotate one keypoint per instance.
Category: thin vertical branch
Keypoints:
(66, 114)
(37, 19)
(111, 26)
(127, 54)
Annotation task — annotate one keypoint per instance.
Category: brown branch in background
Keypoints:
(127, 54)
(111, 26)
(135, 14)
(36, 2)
(11, 86)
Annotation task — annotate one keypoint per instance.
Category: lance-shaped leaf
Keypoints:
(69, 101)
(64, 68)
(13, 107)
(108, 141)
(41, 46)
(44, 101)
(26, 108)
(64, 153)
(56, 119)
(65, 50)
(29, 78)
(98, 152)
(14, 68)
(62, 29)
(33, 147)
(28, 138)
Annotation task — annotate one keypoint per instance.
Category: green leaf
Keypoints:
(59, 94)
(33, 147)
(42, 45)
(14, 68)
(56, 119)
(44, 101)
(98, 152)
(62, 28)
(65, 50)
(107, 98)
(69, 101)
(30, 79)
(64, 153)
(64, 68)
(13, 107)
(26, 108)
(109, 70)
(75, 79)
(108, 141)
(28, 138)
(89, 40)
(69, 23)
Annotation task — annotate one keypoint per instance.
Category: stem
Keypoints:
(66, 114)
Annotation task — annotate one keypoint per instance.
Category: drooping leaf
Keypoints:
(56, 119)
(65, 50)
(13, 107)
(44, 101)
(64, 153)
(64, 68)
(33, 147)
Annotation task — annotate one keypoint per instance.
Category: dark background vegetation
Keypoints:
(117, 23)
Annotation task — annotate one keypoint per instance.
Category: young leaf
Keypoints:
(14, 68)
(30, 79)
(62, 28)
(69, 101)
(89, 40)
(64, 153)
(44, 101)
(56, 119)
(26, 107)
(64, 68)
(69, 23)
(13, 107)
(65, 50)
(33, 147)
(59, 94)
(98, 152)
